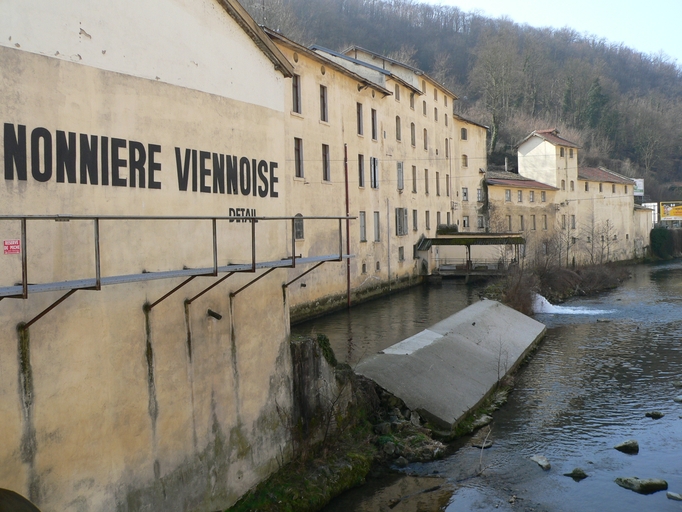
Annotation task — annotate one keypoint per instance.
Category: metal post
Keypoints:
(293, 243)
(24, 261)
(98, 272)
(215, 247)
(253, 245)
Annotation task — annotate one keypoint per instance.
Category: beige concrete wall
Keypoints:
(470, 176)
(106, 407)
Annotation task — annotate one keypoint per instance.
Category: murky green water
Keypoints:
(587, 388)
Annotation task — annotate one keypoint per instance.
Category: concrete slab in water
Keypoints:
(449, 368)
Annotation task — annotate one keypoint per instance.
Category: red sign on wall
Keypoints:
(12, 246)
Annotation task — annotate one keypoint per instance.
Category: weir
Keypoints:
(447, 370)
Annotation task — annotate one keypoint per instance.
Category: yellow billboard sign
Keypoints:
(671, 210)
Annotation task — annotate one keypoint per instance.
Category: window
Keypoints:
(437, 219)
(570, 153)
(424, 107)
(544, 222)
(445, 100)
(627, 236)
(601, 188)
(298, 156)
(424, 86)
(519, 196)
(375, 127)
(563, 222)
(401, 180)
(613, 188)
(296, 94)
(463, 134)
(374, 172)
(479, 195)
(465, 161)
(543, 196)
(298, 227)
(435, 114)
(326, 168)
(563, 184)
(363, 227)
(361, 129)
(448, 218)
(507, 196)
(522, 226)
(532, 222)
(401, 221)
(561, 152)
(446, 119)
(398, 130)
(414, 179)
(361, 170)
(364, 268)
(415, 220)
(572, 221)
(377, 227)
(426, 181)
(413, 135)
(572, 186)
(397, 92)
(465, 221)
(531, 196)
(587, 186)
(465, 193)
(401, 253)
(377, 266)
(435, 94)
(412, 100)
(324, 112)
(447, 149)
(480, 222)
(427, 217)
(509, 223)
(447, 185)
(626, 189)
(437, 183)
(426, 139)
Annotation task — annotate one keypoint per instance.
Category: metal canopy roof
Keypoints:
(468, 239)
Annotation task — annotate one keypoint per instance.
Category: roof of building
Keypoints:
(327, 62)
(416, 71)
(317, 48)
(551, 135)
(457, 116)
(258, 36)
(511, 179)
(602, 174)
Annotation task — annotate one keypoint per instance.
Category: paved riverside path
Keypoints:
(445, 371)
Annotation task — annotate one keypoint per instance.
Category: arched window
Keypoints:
(563, 184)
(413, 135)
(463, 134)
(298, 227)
(398, 130)
(426, 139)
(465, 161)
(397, 92)
(572, 186)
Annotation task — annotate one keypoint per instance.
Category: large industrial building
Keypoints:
(178, 186)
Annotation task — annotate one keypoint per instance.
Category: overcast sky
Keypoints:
(647, 26)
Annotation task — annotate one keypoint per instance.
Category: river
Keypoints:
(604, 363)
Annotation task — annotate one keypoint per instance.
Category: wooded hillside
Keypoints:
(623, 107)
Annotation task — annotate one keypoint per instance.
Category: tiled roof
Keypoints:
(510, 179)
(603, 175)
(552, 136)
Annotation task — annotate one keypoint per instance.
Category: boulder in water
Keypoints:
(577, 474)
(541, 461)
(654, 415)
(642, 485)
(673, 496)
(678, 399)
(630, 446)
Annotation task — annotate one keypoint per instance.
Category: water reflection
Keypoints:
(587, 388)
(372, 326)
